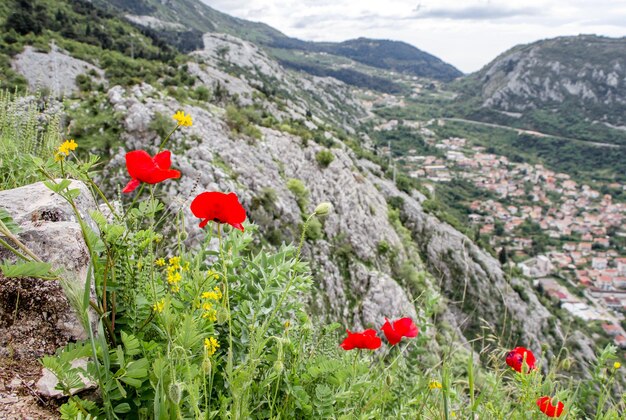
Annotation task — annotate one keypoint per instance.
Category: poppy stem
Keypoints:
(102, 196)
(303, 235)
(229, 364)
(134, 199)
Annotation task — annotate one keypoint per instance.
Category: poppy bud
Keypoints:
(207, 366)
(388, 380)
(323, 209)
(278, 367)
(175, 392)
(222, 316)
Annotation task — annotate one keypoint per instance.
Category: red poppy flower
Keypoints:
(515, 358)
(365, 340)
(546, 407)
(401, 328)
(152, 170)
(220, 208)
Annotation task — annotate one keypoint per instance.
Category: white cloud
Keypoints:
(465, 33)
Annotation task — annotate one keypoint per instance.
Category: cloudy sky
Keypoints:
(465, 33)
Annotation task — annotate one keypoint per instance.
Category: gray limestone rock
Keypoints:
(46, 385)
(35, 315)
(54, 70)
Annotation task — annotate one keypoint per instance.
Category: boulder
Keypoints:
(35, 315)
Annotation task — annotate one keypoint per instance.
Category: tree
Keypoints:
(503, 256)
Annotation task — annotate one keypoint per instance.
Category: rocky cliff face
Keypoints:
(587, 70)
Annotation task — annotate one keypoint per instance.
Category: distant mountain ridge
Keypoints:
(381, 54)
(554, 84)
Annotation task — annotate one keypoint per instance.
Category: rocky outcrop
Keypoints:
(259, 79)
(478, 293)
(55, 70)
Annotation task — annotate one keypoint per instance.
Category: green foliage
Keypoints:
(242, 121)
(28, 128)
(162, 124)
(128, 54)
(202, 94)
(324, 158)
(7, 222)
(383, 247)
(95, 125)
(314, 230)
(300, 191)
(31, 269)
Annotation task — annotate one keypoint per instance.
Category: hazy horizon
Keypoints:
(466, 34)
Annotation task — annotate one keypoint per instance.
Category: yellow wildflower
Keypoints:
(211, 345)
(617, 365)
(434, 385)
(67, 146)
(183, 119)
(158, 306)
(160, 262)
(287, 324)
(215, 294)
(173, 278)
(209, 295)
(174, 262)
(211, 315)
(65, 149)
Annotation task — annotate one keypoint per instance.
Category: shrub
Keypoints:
(383, 247)
(241, 121)
(202, 93)
(300, 191)
(324, 158)
(26, 132)
(314, 230)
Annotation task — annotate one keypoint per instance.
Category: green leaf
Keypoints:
(122, 408)
(26, 269)
(135, 383)
(137, 369)
(57, 188)
(98, 217)
(6, 218)
(73, 193)
(131, 344)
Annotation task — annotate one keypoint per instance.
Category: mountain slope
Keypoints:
(195, 15)
(569, 86)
